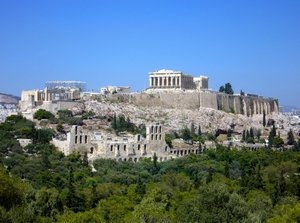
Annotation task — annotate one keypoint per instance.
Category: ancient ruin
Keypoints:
(175, 89)
(121, 148)
(168, 89)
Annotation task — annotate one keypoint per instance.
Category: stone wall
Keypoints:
(167, 100)
(246, 105)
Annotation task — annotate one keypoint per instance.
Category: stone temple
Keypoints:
(168, 89)
(172, 80)
(175, 89)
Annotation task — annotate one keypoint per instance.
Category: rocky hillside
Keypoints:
(8, 99)
(208, 119)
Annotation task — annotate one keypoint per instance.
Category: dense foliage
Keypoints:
(227, 89)
(66, 116)
(121, 124)
(43, 114)
(40, 184)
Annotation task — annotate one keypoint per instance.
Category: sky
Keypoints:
(252, 44)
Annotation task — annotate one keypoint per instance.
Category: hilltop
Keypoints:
(9, 99)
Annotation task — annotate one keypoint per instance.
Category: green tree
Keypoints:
(193, 133)
(258, 134)
(244, 136)
(186, 134)
(42, 114)
(251, 133)
(237, 209)
(12, 191)
(290, 138)
(168, 139)
(222, 89)
(264, 118)
(228, 89)
(278, 141)
(272, 136)
(43, 136)
(48, 202)
(199, 131)
(60, 127)
(229, 134)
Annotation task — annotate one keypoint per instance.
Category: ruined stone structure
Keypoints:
(115, 89)
(174, 89)
(57, 95)
(121, 148)
(170, 79)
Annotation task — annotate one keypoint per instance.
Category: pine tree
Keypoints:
(199, 131)
(114, 122)
(222, 89)
(244, 136)
(251, 133)
(155, 164)
(247, 135)
(290, 138)
(85, 161)
(192, 128)
(272, 136)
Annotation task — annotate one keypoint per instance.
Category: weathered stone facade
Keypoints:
(170, 79)
(121, 148)
(174, 89)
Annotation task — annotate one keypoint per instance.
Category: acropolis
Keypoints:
(168, 89)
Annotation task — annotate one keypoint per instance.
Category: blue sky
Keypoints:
(254, 45)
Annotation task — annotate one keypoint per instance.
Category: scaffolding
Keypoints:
(66, 85)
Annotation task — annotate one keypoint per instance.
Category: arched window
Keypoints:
(92, 150)
(85, 139)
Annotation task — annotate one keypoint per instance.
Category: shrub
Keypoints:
(42, 114)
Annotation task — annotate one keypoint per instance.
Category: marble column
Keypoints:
(180, 84)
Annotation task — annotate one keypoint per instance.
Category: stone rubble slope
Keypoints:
(208, 119)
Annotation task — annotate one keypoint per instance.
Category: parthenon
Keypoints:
(170, 79)
(178, 89)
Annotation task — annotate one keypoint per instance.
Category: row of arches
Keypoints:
(183, 152)
(137, 159)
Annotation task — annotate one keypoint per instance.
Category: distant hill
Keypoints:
(9, 99)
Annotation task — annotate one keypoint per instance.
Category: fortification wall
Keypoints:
(208, 99)
(239, 104)
(246, 105)
(188, 100)
(59, 105)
